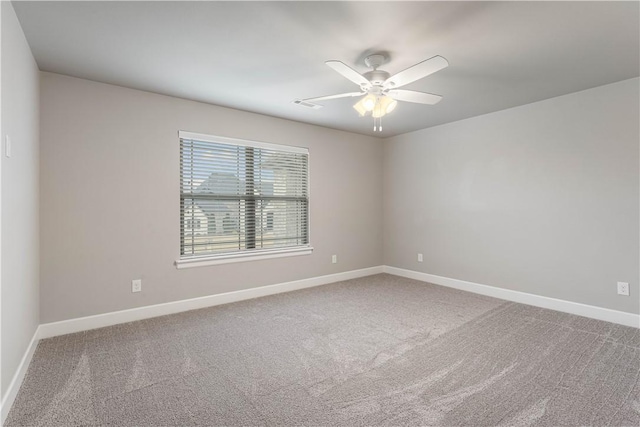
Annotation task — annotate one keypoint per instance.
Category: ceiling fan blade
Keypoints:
(340, 95)
(349, 73)
(414, 96)
(416, 72)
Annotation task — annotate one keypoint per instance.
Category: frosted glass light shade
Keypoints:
(360, 108)
(369, 102)
(391, 105)
(377, 105)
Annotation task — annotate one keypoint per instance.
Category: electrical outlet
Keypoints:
(136, 285)
(334, 259)
(420, 258)
(623, 288)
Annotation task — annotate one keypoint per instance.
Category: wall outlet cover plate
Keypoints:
(623, 288)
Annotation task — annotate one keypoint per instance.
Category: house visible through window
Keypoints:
(239, 197)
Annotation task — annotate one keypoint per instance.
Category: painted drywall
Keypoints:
(20, 192)
(110, 198)
(542, 198)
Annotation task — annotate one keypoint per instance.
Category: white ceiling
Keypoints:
(259, 56)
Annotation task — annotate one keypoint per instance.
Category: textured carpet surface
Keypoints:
(380, 350)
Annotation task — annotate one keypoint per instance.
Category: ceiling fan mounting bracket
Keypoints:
(375, 60)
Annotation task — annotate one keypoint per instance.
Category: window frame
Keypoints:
(250, 254)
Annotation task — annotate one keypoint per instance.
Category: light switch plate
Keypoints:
(7, 146)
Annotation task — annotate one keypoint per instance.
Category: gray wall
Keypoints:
(110, 198)
(20, 300)
(541, 198)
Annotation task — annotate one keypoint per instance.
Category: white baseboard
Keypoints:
(599, 313)
(48, 330)
(16, 381)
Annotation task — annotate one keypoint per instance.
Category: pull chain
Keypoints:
(377, 126)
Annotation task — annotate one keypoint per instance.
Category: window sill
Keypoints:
(241, 257)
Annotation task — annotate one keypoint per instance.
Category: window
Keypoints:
(241, 200)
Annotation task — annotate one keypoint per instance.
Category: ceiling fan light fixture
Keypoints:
(378, 111)
(366, 105)
(387, 104)
(390, 105)
(369, 102)
(360, 108)
(384, 106)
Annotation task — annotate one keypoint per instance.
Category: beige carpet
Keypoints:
(381, 350)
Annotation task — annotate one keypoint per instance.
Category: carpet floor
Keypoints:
(380, 350)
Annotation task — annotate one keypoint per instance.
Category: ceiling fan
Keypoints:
(379, 90)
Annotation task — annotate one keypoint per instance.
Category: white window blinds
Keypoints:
(241, 196)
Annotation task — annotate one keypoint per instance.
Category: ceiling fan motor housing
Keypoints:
(376, 77)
